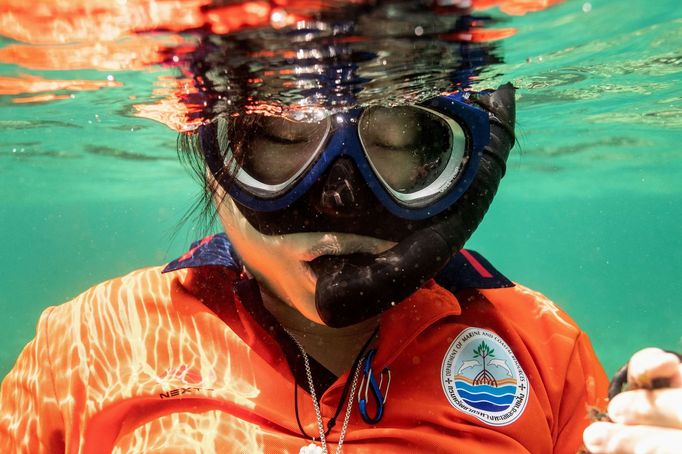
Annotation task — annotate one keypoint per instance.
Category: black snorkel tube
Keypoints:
(351, 293)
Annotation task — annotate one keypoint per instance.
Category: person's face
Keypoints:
(332, 249)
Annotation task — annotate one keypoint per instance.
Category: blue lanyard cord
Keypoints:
(369, 383)
(346, 389)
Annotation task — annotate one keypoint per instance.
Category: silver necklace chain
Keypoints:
(316, 404)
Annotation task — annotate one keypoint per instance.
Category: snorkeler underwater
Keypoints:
(345, 152)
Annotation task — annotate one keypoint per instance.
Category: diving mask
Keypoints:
(417, 160)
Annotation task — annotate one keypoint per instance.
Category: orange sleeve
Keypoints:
(30, 421)
(585, 387)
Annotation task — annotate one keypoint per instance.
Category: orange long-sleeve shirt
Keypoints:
(176, 363)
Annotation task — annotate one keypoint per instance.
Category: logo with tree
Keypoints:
(482, 377)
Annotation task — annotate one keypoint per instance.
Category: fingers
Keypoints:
(652, 363)
(604, 437)
(660, 407)
(645, 420)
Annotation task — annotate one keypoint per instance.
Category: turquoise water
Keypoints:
(589, 212)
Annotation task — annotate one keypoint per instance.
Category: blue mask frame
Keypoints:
(344, 140)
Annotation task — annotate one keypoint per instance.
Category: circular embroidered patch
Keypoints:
(482, 377)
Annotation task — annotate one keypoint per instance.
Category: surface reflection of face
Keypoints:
(279, 262)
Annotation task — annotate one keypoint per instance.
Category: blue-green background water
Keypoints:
(589, 212)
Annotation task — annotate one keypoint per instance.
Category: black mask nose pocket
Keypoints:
(342, 190)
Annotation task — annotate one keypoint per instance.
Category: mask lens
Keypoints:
(269, 153)
(417, 153)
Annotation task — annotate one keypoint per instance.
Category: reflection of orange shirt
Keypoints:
(141, 364)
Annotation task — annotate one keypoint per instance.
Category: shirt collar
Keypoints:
(214, 250)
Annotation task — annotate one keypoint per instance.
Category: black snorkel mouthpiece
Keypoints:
(349, 292)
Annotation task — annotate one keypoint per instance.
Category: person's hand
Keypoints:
(647, 418)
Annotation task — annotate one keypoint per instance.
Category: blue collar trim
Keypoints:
(468, 269)
(214, 250)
